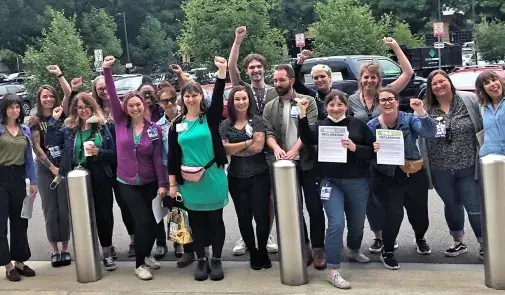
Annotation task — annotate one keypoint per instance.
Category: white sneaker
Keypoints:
(338, 281)
(152, 263)
(143, 273)
(358, 256)
(240, 248)
(271, 245)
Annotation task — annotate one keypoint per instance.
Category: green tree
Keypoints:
(209, 29)
(345, 27)
(61, 45)
(292, 16)
(9, 58)
(489, 37)
(154, 47)
(403, 35)
(98, 31)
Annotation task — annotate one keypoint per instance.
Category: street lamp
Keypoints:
(125, 36)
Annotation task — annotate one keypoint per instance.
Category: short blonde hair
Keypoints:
(321, 67)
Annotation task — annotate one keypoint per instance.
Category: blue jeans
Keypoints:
(459, 190)
(347, 196)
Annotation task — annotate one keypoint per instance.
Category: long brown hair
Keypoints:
(374, 68)
(431, 99)
(484, 78)
(73, 119)
(57, 99)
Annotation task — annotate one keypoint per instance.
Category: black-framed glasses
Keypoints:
(101, 89)
(385, 100)
(82, 108)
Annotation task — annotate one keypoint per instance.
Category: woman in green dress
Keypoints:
(196, 171)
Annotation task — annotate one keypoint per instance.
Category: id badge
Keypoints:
(152, 133)
(441, 130)
(295, 111)
(55, 152)
(325, 192)
(249, 130)
(181, 127)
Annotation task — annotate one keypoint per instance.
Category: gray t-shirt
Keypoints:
(243, 167)
(358, 110)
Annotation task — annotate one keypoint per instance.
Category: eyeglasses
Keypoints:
(103, 89)
(385, 100)
(82, 108)
(168, 100)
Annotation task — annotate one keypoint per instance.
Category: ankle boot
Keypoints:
(264, 259)
(255, 259)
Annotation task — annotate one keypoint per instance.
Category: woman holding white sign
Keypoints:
(344, 183)
(397, 186)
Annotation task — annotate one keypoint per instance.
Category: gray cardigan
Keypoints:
(470, 101)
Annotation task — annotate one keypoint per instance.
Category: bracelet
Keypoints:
(172, 185)
(60, 75)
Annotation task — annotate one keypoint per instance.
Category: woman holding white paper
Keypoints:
(406, 185)
(87, 142)
(344, 186)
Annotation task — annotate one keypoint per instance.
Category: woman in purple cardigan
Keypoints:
(140, 170)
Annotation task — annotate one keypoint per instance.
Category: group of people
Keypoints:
(143, 147)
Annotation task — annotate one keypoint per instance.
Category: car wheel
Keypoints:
(27, 108)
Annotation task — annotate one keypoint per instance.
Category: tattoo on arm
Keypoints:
(38, 150)
(258, 139)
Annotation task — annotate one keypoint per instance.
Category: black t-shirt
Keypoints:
(243, 167)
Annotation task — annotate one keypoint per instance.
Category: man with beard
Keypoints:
(255, 66)
(281, 119)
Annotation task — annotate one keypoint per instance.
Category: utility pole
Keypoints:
(439, 40)
(474, 33)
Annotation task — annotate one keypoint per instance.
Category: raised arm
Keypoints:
(299, 87)
(422, 123)
(182, 78)
(67, 101)
(216, 106)
(240, 33)
(55, 70)
(407, 71)
(115, 104)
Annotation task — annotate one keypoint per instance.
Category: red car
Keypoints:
(207, 91)
(464, 78)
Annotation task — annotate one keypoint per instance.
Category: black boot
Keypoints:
(255, 259)
(264, 259)
(202, 269)
(216, 269)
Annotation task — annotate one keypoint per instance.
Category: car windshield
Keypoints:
(464, 79)
(128, 83)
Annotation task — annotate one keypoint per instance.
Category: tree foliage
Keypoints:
(346, 27)
(403, 35)
(489, 37)
(209, 29)
(61, 45)
(98, 31)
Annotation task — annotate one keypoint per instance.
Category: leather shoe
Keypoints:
(319, 260)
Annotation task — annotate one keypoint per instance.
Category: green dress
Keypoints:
(211, 192)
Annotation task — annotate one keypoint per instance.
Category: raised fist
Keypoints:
(108, 61)
(54, 69)
(76, 83)
(240, 33)
(220, 62)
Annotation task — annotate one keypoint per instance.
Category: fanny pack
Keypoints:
(412, 166)
(194, 174)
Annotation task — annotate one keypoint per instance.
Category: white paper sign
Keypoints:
(27, 210)
(391, 150)
(158, 209)
(330, 147)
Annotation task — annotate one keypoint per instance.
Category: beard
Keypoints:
(283, 90)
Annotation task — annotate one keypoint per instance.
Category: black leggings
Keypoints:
(207, 226)
(139, 200)
(251, 197)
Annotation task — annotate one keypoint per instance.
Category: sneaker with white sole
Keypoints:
(272, 246)
(358, 256)
(456, 249)
(338, 281)
(109, 264)
(240, 248)
(389, 260)
(152, 263)
(144, 273)
(422, 247)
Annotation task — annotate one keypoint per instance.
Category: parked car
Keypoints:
(16, 78)
(424, 60)
(208, 90)
(202, 75)
(157, 78)
(345, 72)
(28, 100)
(125, 83)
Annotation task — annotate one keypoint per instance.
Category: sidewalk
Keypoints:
(240, 279)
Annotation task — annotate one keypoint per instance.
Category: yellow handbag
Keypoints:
(179, 230)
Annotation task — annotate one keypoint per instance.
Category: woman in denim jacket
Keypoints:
(16, 164)
(451, 158)
(96, 158)
(395, 188)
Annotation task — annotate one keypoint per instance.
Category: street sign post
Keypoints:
(98, 55)
(300, 40)
(438, 32)
(439, 45)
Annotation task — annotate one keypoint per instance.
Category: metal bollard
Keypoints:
(84, 233)
(290, 235)
(493, 206)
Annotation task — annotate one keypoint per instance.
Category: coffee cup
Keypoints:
(86, 145)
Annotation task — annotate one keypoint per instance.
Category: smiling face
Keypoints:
(369, 81)
(255, 70)
(493, 88)
(168, 104)
(241, 101)
(282, 83)
(84, 111)
(135, 107)
(321, 80)
(47, 99)
(336, 108)
(192, 100)
(147, 92)
(440, 86)
(101, 90)
(388, 104)
(13, 111)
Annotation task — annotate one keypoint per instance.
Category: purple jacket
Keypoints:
(143, 160)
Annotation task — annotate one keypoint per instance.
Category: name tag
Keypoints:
(55, 152)
(181, 127)
(325, 192)
(441, 130)
(249, 130)
(295, 111)
(152, 133)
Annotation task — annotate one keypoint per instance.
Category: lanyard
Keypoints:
(260, 103)
(368, 111)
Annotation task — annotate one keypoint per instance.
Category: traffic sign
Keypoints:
(98, 55)
(438, 29)
(300, 40)
(129, 65)
(439, 45)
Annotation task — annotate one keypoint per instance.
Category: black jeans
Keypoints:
(308, 182)
(251, 197)
(139, 200)
(125, 212)
(207, 226)
(103, 199)
(161, 234)
(12, 195)
(397, 192)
